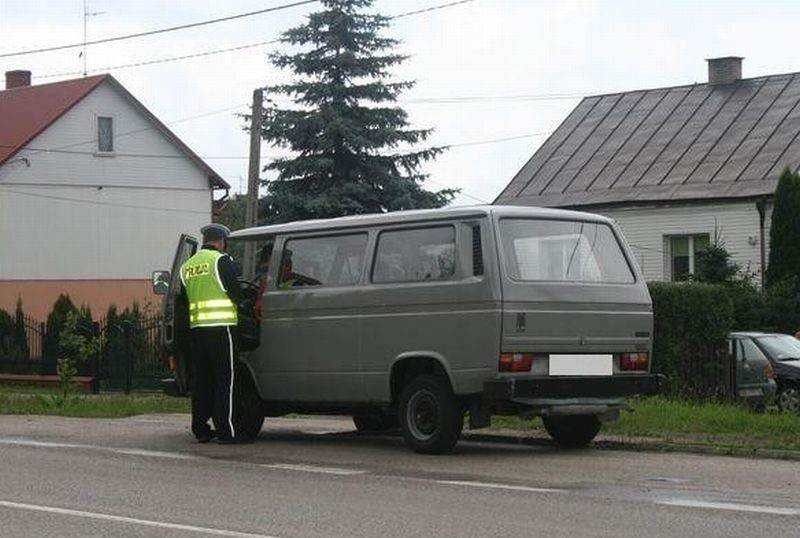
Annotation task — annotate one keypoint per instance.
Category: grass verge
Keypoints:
(22, 400)
(676, 423)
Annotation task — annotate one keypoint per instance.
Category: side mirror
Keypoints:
(160, 282)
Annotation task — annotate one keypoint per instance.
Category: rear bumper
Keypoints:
(550, 391)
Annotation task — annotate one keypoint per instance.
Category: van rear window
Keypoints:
(563, 251)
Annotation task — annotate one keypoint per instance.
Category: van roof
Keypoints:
(412, 216)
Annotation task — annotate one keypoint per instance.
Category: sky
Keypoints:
(493, 77)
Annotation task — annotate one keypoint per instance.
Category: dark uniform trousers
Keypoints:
(213, 377)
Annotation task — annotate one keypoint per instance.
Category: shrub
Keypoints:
(784, 254)
(692, 322)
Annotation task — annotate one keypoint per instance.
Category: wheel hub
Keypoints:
(423, 414)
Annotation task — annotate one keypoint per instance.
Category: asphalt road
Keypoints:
(145, 476)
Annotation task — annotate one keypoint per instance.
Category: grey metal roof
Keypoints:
(693, 142)
(411, 217)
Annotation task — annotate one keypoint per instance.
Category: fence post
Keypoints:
(126, 333)
(96, 360)
(43, 337)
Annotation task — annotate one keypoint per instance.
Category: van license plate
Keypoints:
(581, 365)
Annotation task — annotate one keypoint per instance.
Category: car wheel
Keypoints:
(789, 399)
(248, 409)
(376, 421)
(430, 416)
(572, 431)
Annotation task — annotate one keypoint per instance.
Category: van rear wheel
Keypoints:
(572, 431)
(430, 417)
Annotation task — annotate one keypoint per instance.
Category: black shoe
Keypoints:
(206, 437)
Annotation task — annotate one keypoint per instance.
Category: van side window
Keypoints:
(323, 261)
(420, 254)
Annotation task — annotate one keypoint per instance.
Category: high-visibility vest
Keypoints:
(209, 304)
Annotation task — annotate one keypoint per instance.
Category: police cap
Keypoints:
(215, 231)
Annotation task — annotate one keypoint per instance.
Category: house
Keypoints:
(94, 192)
(675, 167)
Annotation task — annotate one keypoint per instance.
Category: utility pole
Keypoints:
(251, 202)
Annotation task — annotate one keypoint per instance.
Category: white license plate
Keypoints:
(581, 365)
(746, 393)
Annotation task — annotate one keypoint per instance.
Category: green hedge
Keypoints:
(692, 321)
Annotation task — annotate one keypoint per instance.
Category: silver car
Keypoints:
(755, 376)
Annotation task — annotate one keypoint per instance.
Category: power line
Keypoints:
(65, 150)
(161, 60)
(97, 202)
(159, 31)
(217, 51)
(495, 98)
(432, 8)
(497, 140)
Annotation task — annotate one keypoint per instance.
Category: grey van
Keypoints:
(416, 318)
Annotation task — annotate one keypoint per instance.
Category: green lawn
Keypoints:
(683, 423)
(21, 400)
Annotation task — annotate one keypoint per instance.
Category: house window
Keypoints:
(682, 251)
(105, 134)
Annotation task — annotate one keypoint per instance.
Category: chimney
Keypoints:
(17, 79)
(725, 70)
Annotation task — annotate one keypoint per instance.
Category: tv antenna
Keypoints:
(86, 15)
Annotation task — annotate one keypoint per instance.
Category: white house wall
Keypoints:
(646, 228)
(84, 233)
(74, 215)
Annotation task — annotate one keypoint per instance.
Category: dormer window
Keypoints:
(105, 134)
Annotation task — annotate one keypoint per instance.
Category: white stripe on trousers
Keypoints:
(230, 387)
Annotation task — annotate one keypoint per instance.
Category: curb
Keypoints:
(637, 444)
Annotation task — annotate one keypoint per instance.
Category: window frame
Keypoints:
(614, 233)
(457, 263)
(285, 246)
(691, 246)
(113, 119)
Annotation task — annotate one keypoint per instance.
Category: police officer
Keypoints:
(210, 282)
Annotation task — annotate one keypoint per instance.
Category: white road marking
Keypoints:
(314, 469)
(152, 453)
(125, 451)
(774, 510)
(131, 520)
(490, 485)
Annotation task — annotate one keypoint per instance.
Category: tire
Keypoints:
(789, 399)
(375, 421)
(572, 431)
(430, 416)
(248, 409)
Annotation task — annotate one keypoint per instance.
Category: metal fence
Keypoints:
(129, 357)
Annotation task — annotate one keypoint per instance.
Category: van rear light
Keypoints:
(515, 362)
(770, 371)
(634, 362)
(171, 363)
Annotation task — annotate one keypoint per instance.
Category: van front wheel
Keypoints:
(430, 416)
(572, 431)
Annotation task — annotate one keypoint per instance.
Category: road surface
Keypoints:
(145, 476)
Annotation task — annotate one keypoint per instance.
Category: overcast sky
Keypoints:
(485, 70)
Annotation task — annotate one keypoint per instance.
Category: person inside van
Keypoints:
(262, 277)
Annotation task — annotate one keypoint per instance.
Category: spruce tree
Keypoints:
(784, 234)
(346, 134)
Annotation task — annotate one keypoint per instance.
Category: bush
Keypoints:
(11, 347)
(692, 322)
